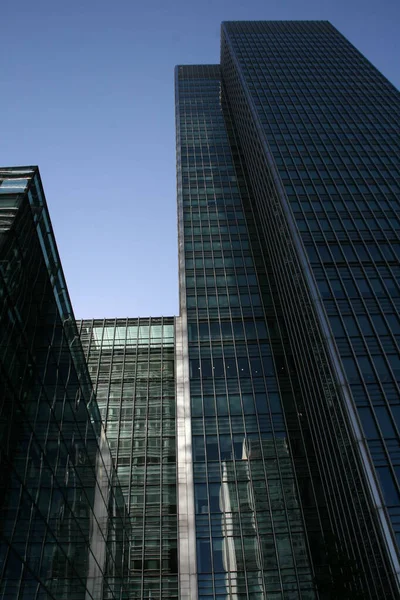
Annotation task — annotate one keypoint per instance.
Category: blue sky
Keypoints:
(87, 94)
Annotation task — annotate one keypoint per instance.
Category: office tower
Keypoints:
(131, 363)
(234, 383)
(63, 522)
(288, 167)
(318, 126)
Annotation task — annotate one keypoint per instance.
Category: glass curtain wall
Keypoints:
(249, 526)
(63, 520)
(318, 125)
(131, 363)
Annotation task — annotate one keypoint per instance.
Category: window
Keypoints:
(351, 369)
(230, 366)
(379, 324)
(389, 488)
(206, 367)
(364, 288)
(377, 287)
(203, 556)
(194, 365)
(351, 325)
(218, 367)
(385, 421)
(349, 252)
(381, 368)
(337, 288)
(337, 326)
(394, 323)
(351, 289)
(366, 368)
(368, 423)
(324, 289)
(243, 366)
(394, 361)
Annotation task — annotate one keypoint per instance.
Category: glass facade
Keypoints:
(131, 363)
(281, 172)
(250, 532)
(318, 126)
(63, 521)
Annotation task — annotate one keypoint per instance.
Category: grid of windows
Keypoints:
(131, 362)
(249, 526)
(319, 129)
(62, 519)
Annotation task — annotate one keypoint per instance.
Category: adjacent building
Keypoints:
(63, 522)
(248, 448)
(131, 364)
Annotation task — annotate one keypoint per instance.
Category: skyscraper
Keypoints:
(242, 544)
(288, 170)
(248, 448)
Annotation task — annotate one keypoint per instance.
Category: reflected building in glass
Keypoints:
(250, 535)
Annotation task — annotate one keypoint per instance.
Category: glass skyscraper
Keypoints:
(288, 193)
(248, 448)
(250, 536)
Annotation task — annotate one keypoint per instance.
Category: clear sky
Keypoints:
(87, 94)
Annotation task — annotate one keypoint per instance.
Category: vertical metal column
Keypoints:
(185, 488)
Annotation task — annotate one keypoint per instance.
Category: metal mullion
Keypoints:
(210, 538)
(134, 378)
(160, 489)
(139, 322)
